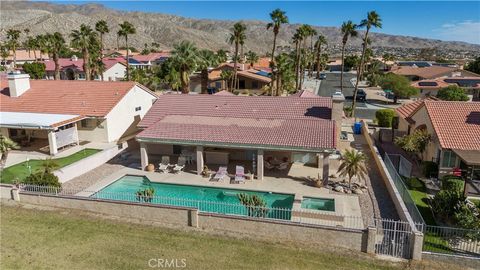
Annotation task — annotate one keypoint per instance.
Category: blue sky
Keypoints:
(446, 20)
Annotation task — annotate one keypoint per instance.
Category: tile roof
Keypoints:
(88, 98)
(456, 123)
(424, 72)
(406, 111)
(78, 63)
(282, 122)
(24, 55)
(305, 94)
(150, 57)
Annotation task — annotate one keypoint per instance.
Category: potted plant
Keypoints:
(150, 167)
(205, 172)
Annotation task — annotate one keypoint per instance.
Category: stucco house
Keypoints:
(249, 78)
(55, 114)
(430, 87)
(147, 61)
(431, 72)
(23, 56)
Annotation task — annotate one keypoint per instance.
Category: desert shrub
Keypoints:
(384, 117)
(43, 179)
(429, 169)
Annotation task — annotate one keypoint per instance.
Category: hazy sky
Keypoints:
(446, 20)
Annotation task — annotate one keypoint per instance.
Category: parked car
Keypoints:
(323, 76)
(361, 95)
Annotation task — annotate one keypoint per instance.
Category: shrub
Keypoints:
(43, 179)
(384, 117)
(429, 169)
(445, 202)
(452, 93)
(452, 182)
(466, 218)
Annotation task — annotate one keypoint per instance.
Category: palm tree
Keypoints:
(12, 37)
(4, 53)
(353, 164)
(284, 64)
(349, 29)
(373, 20)
(386, 58)
(6, 144)
(297, 39)
(185, 59)
(222, 56)
(252, 58)
(54, 44)
(312, 32)
(321, 40)
(48, 166)
(226, 76)
(102, 28)
(237, 37)
(126, 29)
(278, 18)
(83, 39)
(207, 59)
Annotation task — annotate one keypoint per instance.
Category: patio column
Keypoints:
(143, 155)
(200, 163)
(326, 167)
(260, 164)
(52, 142)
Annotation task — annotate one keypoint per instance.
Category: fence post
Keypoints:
(193, 218)
(417, 246)
(371, 239)
(15, 194)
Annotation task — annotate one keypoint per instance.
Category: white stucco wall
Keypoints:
(94, 133)
(421, 118)
(115, 73)
(124, 117)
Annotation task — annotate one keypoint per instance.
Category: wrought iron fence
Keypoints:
(451, 241)
(393, 238)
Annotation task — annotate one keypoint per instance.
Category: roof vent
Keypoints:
(18, 83)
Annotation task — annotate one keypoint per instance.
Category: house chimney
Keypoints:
(18, 83)
(338, 100)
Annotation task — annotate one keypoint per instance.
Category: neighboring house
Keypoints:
(55, 114)
(431, 87)
(432, 72)
(422, 64)
(248, 78)
(217, 129)
(148, 60)
(72, 69)
(455, 130)
(118, 53)
(24, 56)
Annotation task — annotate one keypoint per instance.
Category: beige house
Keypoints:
(254, 79)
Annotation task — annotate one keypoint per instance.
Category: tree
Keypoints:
(102, 28)
(372, 20)
(222, 56)
(321, 40)
(278, 18)
(285, 69)
(12, 41)
(352, 163)
(297, 39)
(4, 52)
(252, 58)
(82, 40)
(206, 59)
(53, 44)
(237, 37)
(256, 205)
(452, 93)
(36, 70)
(384, 117)
(226, 76)
(400, 86)
(127, 29)
(48, 166)
(6, 144)
(350, 62)
(387, 57)
(474, 66)
(415, 143)
(185, 60)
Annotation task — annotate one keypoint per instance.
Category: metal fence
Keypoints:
(451, 241)
(404, 193)
(402, 165)
(296, 215)
(393, 238)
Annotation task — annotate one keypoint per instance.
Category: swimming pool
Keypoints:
(318, 204)
(206, 199)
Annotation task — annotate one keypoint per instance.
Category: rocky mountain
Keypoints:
(41, 17)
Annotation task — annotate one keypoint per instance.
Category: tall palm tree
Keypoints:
(321, 40)
(312, 32)
(306, 31)
(284, 64)
(126, 29)
(297, 39)
(353, 163)
(222, 56)
(54, 44)
(252, 58)
(386, 58)
(207, 59)
(237, 37)
(102, 28)
(372, 20)
(83, 39)
(4, 53)
(6, 144)
(348, 29)
(278, 18)
(226, 76)
(12, 38)
(185, 59)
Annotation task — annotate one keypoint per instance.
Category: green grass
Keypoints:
(21, 171)
(418, 191)
(476, 202)
(73, 240)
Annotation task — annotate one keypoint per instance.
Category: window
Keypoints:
(254, 85)
(81, 76)
(139, 108)
(449, 159)
(476, 173)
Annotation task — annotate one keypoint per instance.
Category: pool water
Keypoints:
(206, 199)
(318, 204)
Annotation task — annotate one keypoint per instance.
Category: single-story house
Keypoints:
(431, 72)
(24, 56)
(249, 78)
(430, 87)
(55, 114)
(455, 130)
(218, 129)
(72, 69)
(148, 60)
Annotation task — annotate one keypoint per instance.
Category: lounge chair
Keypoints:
(165, 164)
(282, 166)
(220, 174)
(239, 175)
(269, 166)
(180, 165)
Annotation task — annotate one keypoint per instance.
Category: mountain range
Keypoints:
(166, 30)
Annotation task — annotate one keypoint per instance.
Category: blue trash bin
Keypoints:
(357, 128)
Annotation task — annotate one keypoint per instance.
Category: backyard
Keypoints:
(21, 170)
(81, 241)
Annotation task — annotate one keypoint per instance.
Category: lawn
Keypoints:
(69, 239)
(21, 170)
(418, 191)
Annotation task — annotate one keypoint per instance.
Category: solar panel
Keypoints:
(427, 84)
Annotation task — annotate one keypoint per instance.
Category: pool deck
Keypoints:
(345, 205)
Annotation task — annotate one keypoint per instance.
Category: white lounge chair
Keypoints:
(180, 165)
(239, 175)
(268, 165)
(165, 164)
(282, 166)
(220, 174)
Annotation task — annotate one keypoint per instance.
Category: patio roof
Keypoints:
(471, 157)
(36, 120)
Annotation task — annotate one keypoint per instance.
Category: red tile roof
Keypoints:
(406, 111)
(456, 123)
(282, 122)
(78, 64)
(88, 98)
(305, 94)
(425, 72)
(150, 57)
